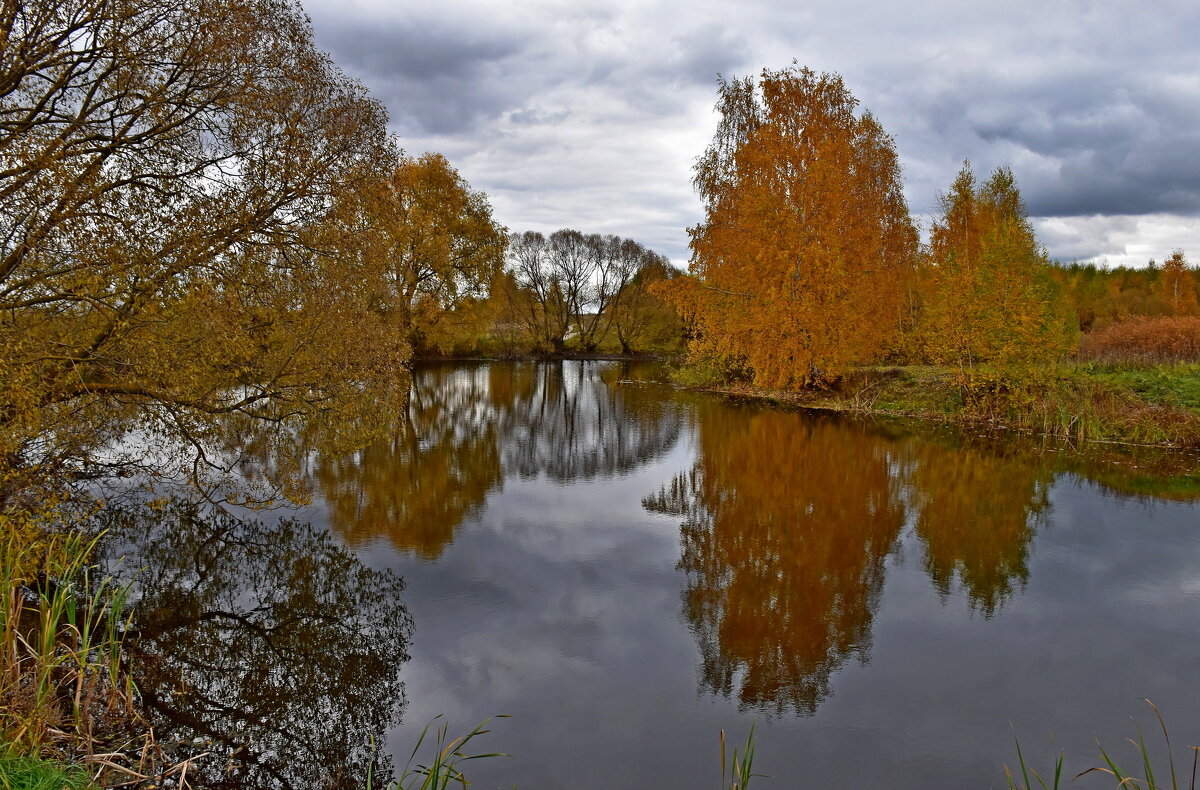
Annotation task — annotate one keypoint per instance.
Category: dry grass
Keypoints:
(1144, 341)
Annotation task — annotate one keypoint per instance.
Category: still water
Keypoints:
(626, 570)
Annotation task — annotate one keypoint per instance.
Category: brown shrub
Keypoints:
(1144, 341)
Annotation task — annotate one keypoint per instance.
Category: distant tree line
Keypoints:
(1101, 297)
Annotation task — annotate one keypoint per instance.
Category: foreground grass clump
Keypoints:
(442, 770)
(20, 772)
(64, 677)
(737, 773)
(1167, 778)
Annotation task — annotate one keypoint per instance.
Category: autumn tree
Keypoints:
(643, 317)
(992, 297)
(1176, 285)
(807, 240)
(507, 307)
(164, 167)
(437, 238)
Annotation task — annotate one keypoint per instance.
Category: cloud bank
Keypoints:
(590, 115)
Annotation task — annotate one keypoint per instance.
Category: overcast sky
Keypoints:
(590, 114)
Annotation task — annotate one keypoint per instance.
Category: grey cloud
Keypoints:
(532, 116)
(563, 112)
(435, 77)
(1102, 149)
(705, 52)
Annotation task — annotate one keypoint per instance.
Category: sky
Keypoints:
(590, 114)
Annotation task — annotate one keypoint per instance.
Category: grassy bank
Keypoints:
(1157, 406)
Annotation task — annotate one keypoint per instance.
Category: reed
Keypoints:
(442, 771)
(1168, 779)
(739, 770)
(62, 642)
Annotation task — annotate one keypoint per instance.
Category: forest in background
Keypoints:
(808, 264)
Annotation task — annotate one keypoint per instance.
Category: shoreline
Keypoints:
(1154, 407)
(1074, 405)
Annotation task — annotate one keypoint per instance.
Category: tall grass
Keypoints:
(61, 639)
(1168, 779)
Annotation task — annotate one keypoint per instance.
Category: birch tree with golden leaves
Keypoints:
(992, 300)
(807, 243)
(1176, 286)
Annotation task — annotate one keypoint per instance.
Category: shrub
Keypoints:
(1144, 341)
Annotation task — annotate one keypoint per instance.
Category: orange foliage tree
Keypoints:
(1176, 286)
(992, 297)
(438, 239)
(807, 238)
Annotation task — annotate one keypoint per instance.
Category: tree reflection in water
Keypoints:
(787, 523)
(262, 642)
(783, 551)
(470, 426)
(978, 507)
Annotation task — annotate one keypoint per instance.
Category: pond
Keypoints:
(626, 569)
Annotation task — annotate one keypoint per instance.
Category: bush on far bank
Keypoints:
(1143, 341)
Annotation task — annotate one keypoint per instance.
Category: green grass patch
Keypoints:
(1170, 385)
(21, 772)
(1080, 402)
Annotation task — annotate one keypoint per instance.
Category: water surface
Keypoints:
(626, 569)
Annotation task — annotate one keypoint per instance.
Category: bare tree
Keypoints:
(574, 281)
(543, 305)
